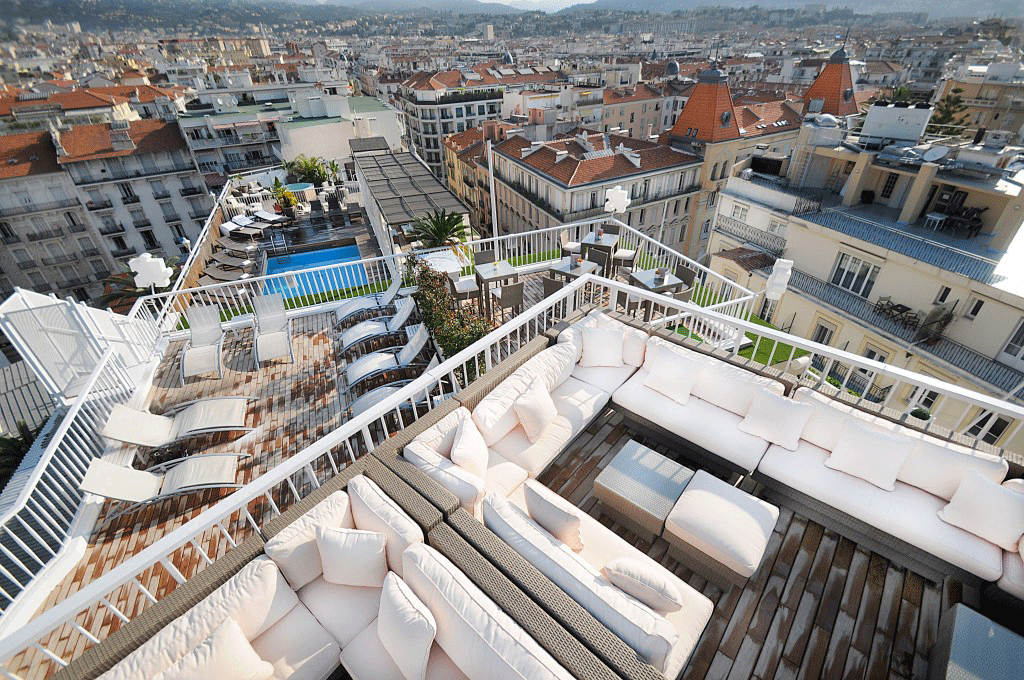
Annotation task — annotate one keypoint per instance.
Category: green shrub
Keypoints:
(453, 327)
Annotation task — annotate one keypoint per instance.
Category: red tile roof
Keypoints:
(833, 85)
(65, 101)
(87, 142)
(442, 80)
(30, 153)
(145, 93)
(702, 117)
(575, 168)
(639, 92)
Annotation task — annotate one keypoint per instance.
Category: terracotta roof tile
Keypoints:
(31, 153)
(65, 101)
(831, 85)
(87, 142)
(639, 92)
(702, 115)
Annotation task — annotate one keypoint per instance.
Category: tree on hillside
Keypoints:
(949, 117)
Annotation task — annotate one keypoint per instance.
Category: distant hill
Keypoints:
(979, 8)
(396, 6)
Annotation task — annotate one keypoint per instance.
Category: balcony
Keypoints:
(130, 200)
(142, 223)
(190, 191)
(1001, 377)
(74, 283)
(54, 232)
(90, 252)
(460, 97)
(113, 175)
(248, 163)
(27, 265)
(773, 243)
(28, 208)
(110, 229)
(13, 238)
(199, 214)
(124, 252)
(161, 195)
(172, 219)
(104, 204)
(59, 259)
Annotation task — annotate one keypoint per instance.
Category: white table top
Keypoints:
(570, 268)
(445, 261)
(492, 271)
(607, 240)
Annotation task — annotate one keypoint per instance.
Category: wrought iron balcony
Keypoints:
(27, 208)
(160, 195)
(110, 229)
(27, 265)
(773, 243)
(99, 205)
(125, 252)
(59, 259)
(191, 191)
(130, 200)
(54, 232)
(142, 223)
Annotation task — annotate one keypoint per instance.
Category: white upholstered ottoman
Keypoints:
(718, 530)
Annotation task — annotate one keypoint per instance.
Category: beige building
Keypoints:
(467, 176)
(633, 111)
(993, 94)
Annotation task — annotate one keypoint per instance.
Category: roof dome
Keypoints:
(672, 69)
(839, 56)
(508, 58)
(654, 55)
(713, 76)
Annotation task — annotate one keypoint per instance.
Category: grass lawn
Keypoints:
(768, 352)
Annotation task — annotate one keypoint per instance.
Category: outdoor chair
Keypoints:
(230, 261)
(624, 257)
(132, 489)
(206, 340)
(189, 419)
(685, 274)
(552, 285)
(272, 329)
(599, 256)
(364, 307)
(219, 273)
(568, 247)
(368, 365)
(509, 296)
(463, 287)
(483, 257)
(380, 327)
(683, 295)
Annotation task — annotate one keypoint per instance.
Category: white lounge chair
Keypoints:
(394, 357)
(132, 489)
(365, 330)
(272, 328)
(202, 352)
(269, 217)
(359, 308)
(191, 419)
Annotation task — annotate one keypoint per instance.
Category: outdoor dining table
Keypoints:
(488, 273)
(606, 242)
(648, 279)
(569, 269)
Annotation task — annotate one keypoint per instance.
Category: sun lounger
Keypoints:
(191, 419)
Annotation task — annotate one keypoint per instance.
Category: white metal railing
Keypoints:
(42, 499)
(66, 630)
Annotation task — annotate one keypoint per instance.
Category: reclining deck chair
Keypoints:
(272, 329)
(131, 489)
(378, 328)
(364, 307)
(202, 352)
(394, 357)
(191, 419)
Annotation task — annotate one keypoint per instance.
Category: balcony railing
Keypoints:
(13, 238)
(27, 265)
(124, 252)
(59, 259)
(111, 229)
(142, 223)
(161, 195)
(773, 243)
(99, 205)
(26, 208)
(76, 228)
(247, 163)
(945, 257)
(112, 175)
(190, 191)
(130, 200)
(55, 232)
(1001, 377)
(198, 214)
(74, 283)
(90, 252)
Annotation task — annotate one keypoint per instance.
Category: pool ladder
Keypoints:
(282, 255)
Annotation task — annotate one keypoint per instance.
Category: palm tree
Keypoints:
(335, 170)
(440, 229)
(305, 169)
(13, 449)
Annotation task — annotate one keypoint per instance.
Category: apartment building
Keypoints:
(542, 184)
(993, 94)
(228, 137)
(50, 243)
(138, 182)
(633, 111)
(466, 167)
(904, 251)
(30, 109)
(439, 103)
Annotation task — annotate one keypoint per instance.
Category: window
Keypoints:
(1014, 346)
(989, 433)
(927, 398)
(823, 333)
(675, 208)
(714, 171)
(97, 267)
(974, 306)
(632, 116)
(890, 184)
(777, 227)
(6, 231)
(72, 219)
(640, 219)
(711, 199)
(854, 274)
(739, 212)
(942, 295)
(705, 228)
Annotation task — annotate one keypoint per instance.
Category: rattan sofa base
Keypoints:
(628, 522)
(703, 564)
(472, 394)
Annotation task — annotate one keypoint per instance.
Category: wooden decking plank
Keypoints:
(871, 600)
(888, 615)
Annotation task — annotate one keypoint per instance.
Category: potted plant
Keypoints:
(921, 413)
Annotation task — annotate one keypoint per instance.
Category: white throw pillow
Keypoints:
(561, 520)
(602, 346)
(352, 557)
(646, 583)
(672, 374)
(294, 549)
(224, 655)
(406, 628)
(873, 456)
(374, 510)
(469, 450)
(988, 510)
(535, 409)
(776, 419)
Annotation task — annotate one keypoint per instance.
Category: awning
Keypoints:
(224, 126)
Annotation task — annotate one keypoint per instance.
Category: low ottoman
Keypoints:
(718, 530)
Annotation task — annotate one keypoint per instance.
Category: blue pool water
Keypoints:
(304, 283)
(298, 186)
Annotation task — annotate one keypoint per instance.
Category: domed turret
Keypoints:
(508, 59)
(839, 57)
(672, 69)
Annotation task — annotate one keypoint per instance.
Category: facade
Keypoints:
(230, 137)
(993, 94)
(633, 111)
(466, 170)
(542, 184)
(872, 274)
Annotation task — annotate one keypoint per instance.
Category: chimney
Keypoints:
(55, 138)
(560, 154)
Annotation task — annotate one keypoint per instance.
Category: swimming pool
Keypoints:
(315, 282)
(298, 186)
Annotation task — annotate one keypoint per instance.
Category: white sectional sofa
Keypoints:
(925, 482)
(717, 402)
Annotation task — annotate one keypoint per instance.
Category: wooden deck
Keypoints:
(820, 606)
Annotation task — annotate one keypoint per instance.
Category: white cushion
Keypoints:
(672, 373)
(607, 378)
(406, 628)
(367, 659)
(469, 450)
(373, 510)
(732, 388)
(908, 513)
(468, 487)
(873, 456)
(988, 510)
(294, 548)
(634, 344)
(646, 584)
(554, 513)
(535, 409)
(643, 629)
(225, 655)
(1012, 580)
(702, 423)
(495, 416)
(298, 647)
(826, 423)
(503, 476)
(939, 469)
(482, 640)
(440, 437)
(776, 419)
(577, 404)
(573, 335)
(602, 347)
(342, 610)
(352, 557)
